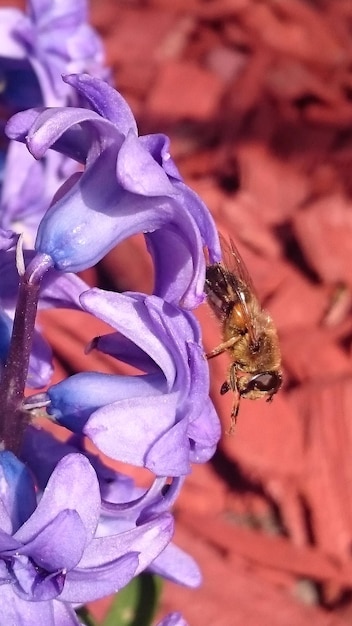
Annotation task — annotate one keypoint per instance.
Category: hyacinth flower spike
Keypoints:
(161, 419)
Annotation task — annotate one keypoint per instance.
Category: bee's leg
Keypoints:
(232, 383)
(234, 414)
(225, 345)
(225, 387)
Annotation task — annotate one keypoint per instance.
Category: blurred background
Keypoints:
(256, 96)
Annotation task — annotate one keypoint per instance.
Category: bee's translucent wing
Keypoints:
(241, 283)
(233, 261)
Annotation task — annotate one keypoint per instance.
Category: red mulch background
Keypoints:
(256, 96)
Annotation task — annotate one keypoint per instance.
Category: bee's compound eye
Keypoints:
(266, 381)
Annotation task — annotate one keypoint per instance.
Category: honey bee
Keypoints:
(248, 332)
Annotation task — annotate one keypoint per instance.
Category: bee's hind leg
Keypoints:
(234, 414)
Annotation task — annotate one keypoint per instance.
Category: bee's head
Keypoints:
(259, 385)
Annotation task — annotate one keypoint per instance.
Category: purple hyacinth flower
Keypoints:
(162, 420)
(38, 571)
(173, 619)
(123, 504)
(51, 38)
(130, 185)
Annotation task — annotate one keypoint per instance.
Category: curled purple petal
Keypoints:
(126, 430)
(178, 566)
(83, 497)
(60, 555)
(91, 584)
(105, 101)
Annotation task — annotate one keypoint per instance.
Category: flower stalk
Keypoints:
(14, 418)
(73, 529)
